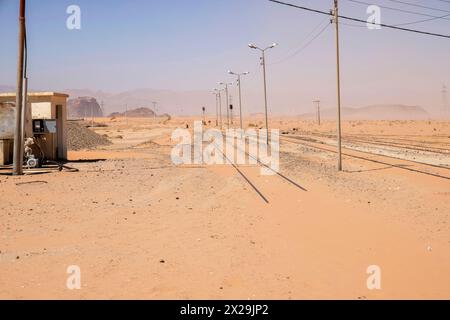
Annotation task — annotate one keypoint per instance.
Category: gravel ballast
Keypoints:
(80, 137)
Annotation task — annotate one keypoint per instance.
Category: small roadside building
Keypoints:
(45, 118)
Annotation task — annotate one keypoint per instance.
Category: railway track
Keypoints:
(374, 157)
(408, 139)
(414, 147)
(389, 142)
(308, 139)
(251, 183)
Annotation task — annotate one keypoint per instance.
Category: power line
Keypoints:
(309, 34)
(446, 1)
(432, 18)
(420, 21)
(360, 20)
(399, 24)
(305, 45)
(395, 9)
(419, 6)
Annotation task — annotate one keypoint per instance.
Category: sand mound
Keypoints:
(80, 137)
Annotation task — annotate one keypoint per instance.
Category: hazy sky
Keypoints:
(190, 44)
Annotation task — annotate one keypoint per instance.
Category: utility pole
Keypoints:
(204, 116)
(339, 130)
(18, 137)
(227, 101)
(92, 115)
(102, 108)
(154, 109)
(239, 75)
(24, 90)
(231, 113)
(228, 111)
(220, 109)
(231, 109)
(217, 107)
(317, 102)
(445, 107)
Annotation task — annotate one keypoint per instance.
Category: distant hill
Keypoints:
(375, 112)
(83, 107)
(191, 103)
(168, 101)
(135, 113)
(4, 88)
(257, 115)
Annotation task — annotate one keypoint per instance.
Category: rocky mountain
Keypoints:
(167, 101)
(191, 103)
(83, 107)
(374, 112)
(135, 113)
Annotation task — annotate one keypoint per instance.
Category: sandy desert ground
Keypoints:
(140, 227)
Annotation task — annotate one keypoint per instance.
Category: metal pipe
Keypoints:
(25, 107)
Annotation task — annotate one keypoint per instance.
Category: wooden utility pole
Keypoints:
(339, 131)
(18, 135)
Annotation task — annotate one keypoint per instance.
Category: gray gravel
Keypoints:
(79, 137)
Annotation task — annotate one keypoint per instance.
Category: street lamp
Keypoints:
(239, 85)
(263, 62)
(226, 84)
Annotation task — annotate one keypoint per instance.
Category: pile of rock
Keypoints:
(79, 137)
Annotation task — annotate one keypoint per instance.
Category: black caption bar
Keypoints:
(205, 309)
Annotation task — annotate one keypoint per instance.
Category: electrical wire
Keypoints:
(395, 9)
(421, 21)
(309, 34)
(419, 6)
(397, 25)
(304, 46)
(360, 20)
